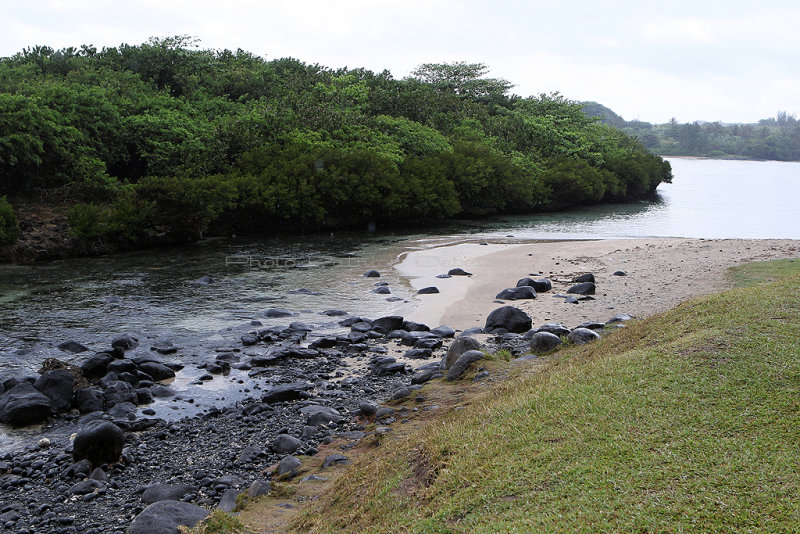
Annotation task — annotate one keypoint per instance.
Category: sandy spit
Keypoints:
(660, 273)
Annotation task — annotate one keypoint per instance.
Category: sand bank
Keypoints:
(661, 272)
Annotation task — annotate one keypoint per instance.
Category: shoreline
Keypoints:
(344, 373)
(660, 273)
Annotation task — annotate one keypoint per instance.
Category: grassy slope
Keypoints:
(683, 422)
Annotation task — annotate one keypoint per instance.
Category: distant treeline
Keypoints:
(774, 139)
(164, 138)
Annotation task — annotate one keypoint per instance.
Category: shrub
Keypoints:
(9, 226)
(87, 221)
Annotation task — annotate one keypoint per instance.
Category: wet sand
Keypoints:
(660, 273)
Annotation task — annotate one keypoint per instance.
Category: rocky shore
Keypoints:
(106, 459)
(123, 469)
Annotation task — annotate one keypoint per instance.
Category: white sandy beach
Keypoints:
(661, 272)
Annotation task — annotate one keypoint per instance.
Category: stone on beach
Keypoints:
(541, 285)
(581, 336)
(585, 288)
(462, 363)
(23, 405)
(507, 319)
(588, 277)
(517, 293)
(164, 517)
(457, 348)
(542, 342)
(100, 442)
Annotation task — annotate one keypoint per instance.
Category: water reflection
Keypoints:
(92, 299)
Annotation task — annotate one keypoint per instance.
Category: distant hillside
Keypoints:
(770, 139)
(595, 109)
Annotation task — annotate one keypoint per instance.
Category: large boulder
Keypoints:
(384, 325)
(100, 442)
(164, 517)
(507, 319)
(457, 348)
(89, 400)
(23, 405)
(58, 385)
(542, 342)
(461, 364)
(158, 371)
(97, 365)
(517, 293)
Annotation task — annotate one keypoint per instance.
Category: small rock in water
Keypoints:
(72, 346)
(372, 274)
(274, 313)
(304, 291)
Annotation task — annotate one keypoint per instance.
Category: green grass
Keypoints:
(764, 271)
(218, 522)
(684, 422)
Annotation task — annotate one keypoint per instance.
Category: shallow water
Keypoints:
(154, 295)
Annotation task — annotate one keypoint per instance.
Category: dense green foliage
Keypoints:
(774, 139)
(167, 139)
(9, 226)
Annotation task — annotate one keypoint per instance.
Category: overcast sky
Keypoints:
(730, 61)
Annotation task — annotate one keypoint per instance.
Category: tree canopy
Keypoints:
(169, 138)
